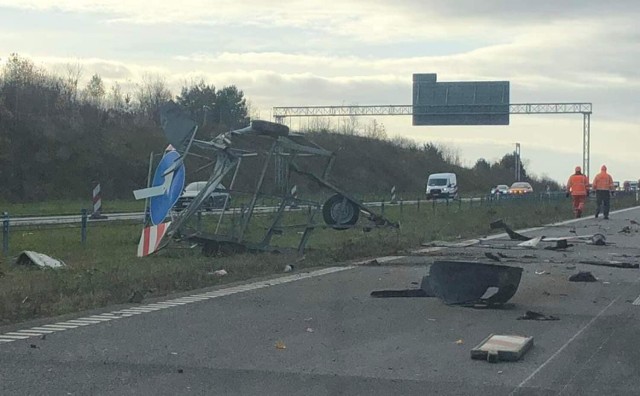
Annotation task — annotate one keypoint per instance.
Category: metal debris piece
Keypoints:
(610, 263)
(625, 230)
(39, 260)
(531, 242)
(532, 315)
(500, 224)
(280, 345)
(508, 348)
(583, 277)
(219, 273)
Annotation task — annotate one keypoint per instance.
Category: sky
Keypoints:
(337, 52)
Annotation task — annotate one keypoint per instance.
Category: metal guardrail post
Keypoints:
(401, 205)
(5, 233)
(83, 228)
(382, 208)
(418, 203)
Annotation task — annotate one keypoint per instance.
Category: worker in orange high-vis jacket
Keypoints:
(578, 188)
(603, 184)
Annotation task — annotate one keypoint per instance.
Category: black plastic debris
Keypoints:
(492, 256)
(400, 293)
(472, 283)
(625, 230)
(583, 277)
(560, 245)
(598, 240)
(533, 315)
(501, 225)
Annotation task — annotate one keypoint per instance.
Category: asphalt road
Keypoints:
(340, 341)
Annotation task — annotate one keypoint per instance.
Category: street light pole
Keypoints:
(518, 162)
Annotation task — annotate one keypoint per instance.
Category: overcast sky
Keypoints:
(331, 52)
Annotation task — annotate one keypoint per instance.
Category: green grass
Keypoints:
(68, 207)
(105, 271)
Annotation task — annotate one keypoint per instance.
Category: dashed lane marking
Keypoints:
(142, 309)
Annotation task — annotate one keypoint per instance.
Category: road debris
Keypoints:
(219, 273)
(136, 297)
(532, 315)
(460, 342)
(400, 293)
(598, 240)
(309, 330)
(502, 255)
(499, 224)
(583, 277)
(288, 268)
(541, 272)
(508, 348)
(492, 256)
(39, 260)
(280, 345)
(625, 230)
(610, 263)
(560, 245)
(531, 242)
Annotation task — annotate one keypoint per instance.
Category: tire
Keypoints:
(269, 128)
(340, 213)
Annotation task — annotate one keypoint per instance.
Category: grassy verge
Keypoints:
(68, 207)
(105, 270)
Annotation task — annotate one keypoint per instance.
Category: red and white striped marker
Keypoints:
(150, 238)
(97, 201)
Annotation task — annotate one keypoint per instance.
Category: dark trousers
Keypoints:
(602, 200)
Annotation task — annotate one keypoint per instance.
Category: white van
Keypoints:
(442, 185)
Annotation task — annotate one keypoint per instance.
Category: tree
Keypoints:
(482, 165)
(152, 93)
(199, 99)
(95, 90)
(230, 110)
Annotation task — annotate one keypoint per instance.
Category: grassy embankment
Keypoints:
(105, 271)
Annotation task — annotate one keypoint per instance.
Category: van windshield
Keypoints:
(438, 182)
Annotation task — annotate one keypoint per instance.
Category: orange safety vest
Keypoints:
(603, 181)
(578, 185)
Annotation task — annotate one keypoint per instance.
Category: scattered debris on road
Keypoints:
(625, 230)
(280, 345)
(598, 240)
(309, 330)
(460, 342)
(508, 348)
(492, 256)
(610, 263)
(583, 276)
(288, 268)
(531, 242)
(499, 224)
(39, 260)
(532, 315)
(560, 245)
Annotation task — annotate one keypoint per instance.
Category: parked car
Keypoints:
(442, 185)
(520, 188)
(219, 199)
(500, 189)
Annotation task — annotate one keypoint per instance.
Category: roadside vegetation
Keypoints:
(105, 270)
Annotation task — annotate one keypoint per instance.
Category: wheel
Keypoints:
(340, 213)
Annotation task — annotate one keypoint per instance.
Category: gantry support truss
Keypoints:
(281, 113)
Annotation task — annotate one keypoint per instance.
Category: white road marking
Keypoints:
(562, 348)
(14, 337)
(637, 301)
(24, 333)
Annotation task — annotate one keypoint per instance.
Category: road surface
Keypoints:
(320, 333)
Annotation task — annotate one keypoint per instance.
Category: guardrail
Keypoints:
(83, 221)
